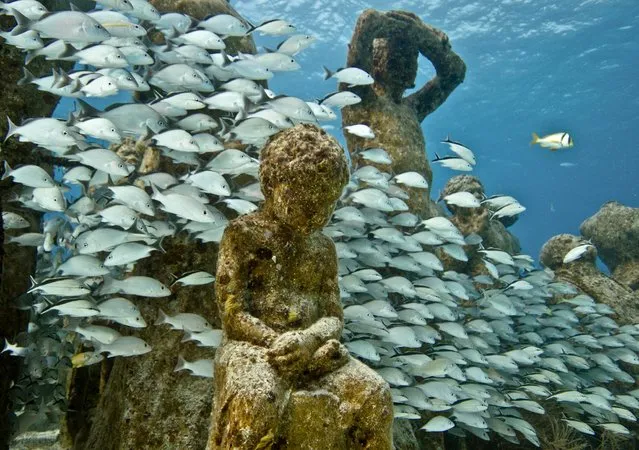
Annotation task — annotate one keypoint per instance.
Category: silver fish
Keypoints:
(127, 253)
(29, 175)
(70, 26)
(199, 368)
(184, 321)
(224, 25)
(124, 346)
(350, 75)
(275, 27)
(82, 266)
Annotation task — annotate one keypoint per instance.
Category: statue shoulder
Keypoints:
(326, 246)
(248, 228)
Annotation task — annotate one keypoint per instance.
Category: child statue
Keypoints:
(278, 295)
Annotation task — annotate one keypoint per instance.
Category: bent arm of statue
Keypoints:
(450, 69)
(316, 349)
(231, 291)
(387, 45)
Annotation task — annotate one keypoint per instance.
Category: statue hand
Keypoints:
(291, 351)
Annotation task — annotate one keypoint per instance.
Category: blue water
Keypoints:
(532, 66)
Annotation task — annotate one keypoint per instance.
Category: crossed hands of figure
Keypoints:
(291, 352)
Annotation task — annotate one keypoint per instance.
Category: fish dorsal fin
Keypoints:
(327, 96)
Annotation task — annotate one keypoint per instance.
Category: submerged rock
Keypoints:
(614, 229)
(585, 275)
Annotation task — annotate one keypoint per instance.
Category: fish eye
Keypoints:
(129, 78)
(118, 56)
(161, 123)
(120, 165)
(112, 130)
(85, 245)
(148, 205)
(64, 133)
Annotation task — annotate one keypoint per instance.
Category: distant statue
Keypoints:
(387, 45)
(283, 380)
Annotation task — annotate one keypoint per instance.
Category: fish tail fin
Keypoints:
(12, 129)
(84, 110)
(7, 170)
(23, 23)
(26, 78)
(181, 364)
(225, 58)
(156, 195)
(6, 347)
(437, 157)
(327, 73)
(97, 347)
(161, 317)
(31, 54)
(535, 139)
(65, 79)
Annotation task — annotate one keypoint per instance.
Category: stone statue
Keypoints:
(387, 45)
(282, 378)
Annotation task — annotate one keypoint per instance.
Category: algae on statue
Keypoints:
(282, 379)
(387, 46)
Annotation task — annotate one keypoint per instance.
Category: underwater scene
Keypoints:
(268, 224)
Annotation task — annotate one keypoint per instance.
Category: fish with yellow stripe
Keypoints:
(553, 141)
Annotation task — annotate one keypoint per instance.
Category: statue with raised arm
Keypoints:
(283, 380)
(387, 46)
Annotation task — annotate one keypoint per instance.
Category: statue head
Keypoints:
(303, 171)
(395, 63)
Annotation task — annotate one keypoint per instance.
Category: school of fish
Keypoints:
(458, 358)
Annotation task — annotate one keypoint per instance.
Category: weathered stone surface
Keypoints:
(282, 378)
(614, 230)
(387, 46)
(584, 274)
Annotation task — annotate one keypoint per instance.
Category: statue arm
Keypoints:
(232, 293)
(331, 324)
(450, 70)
